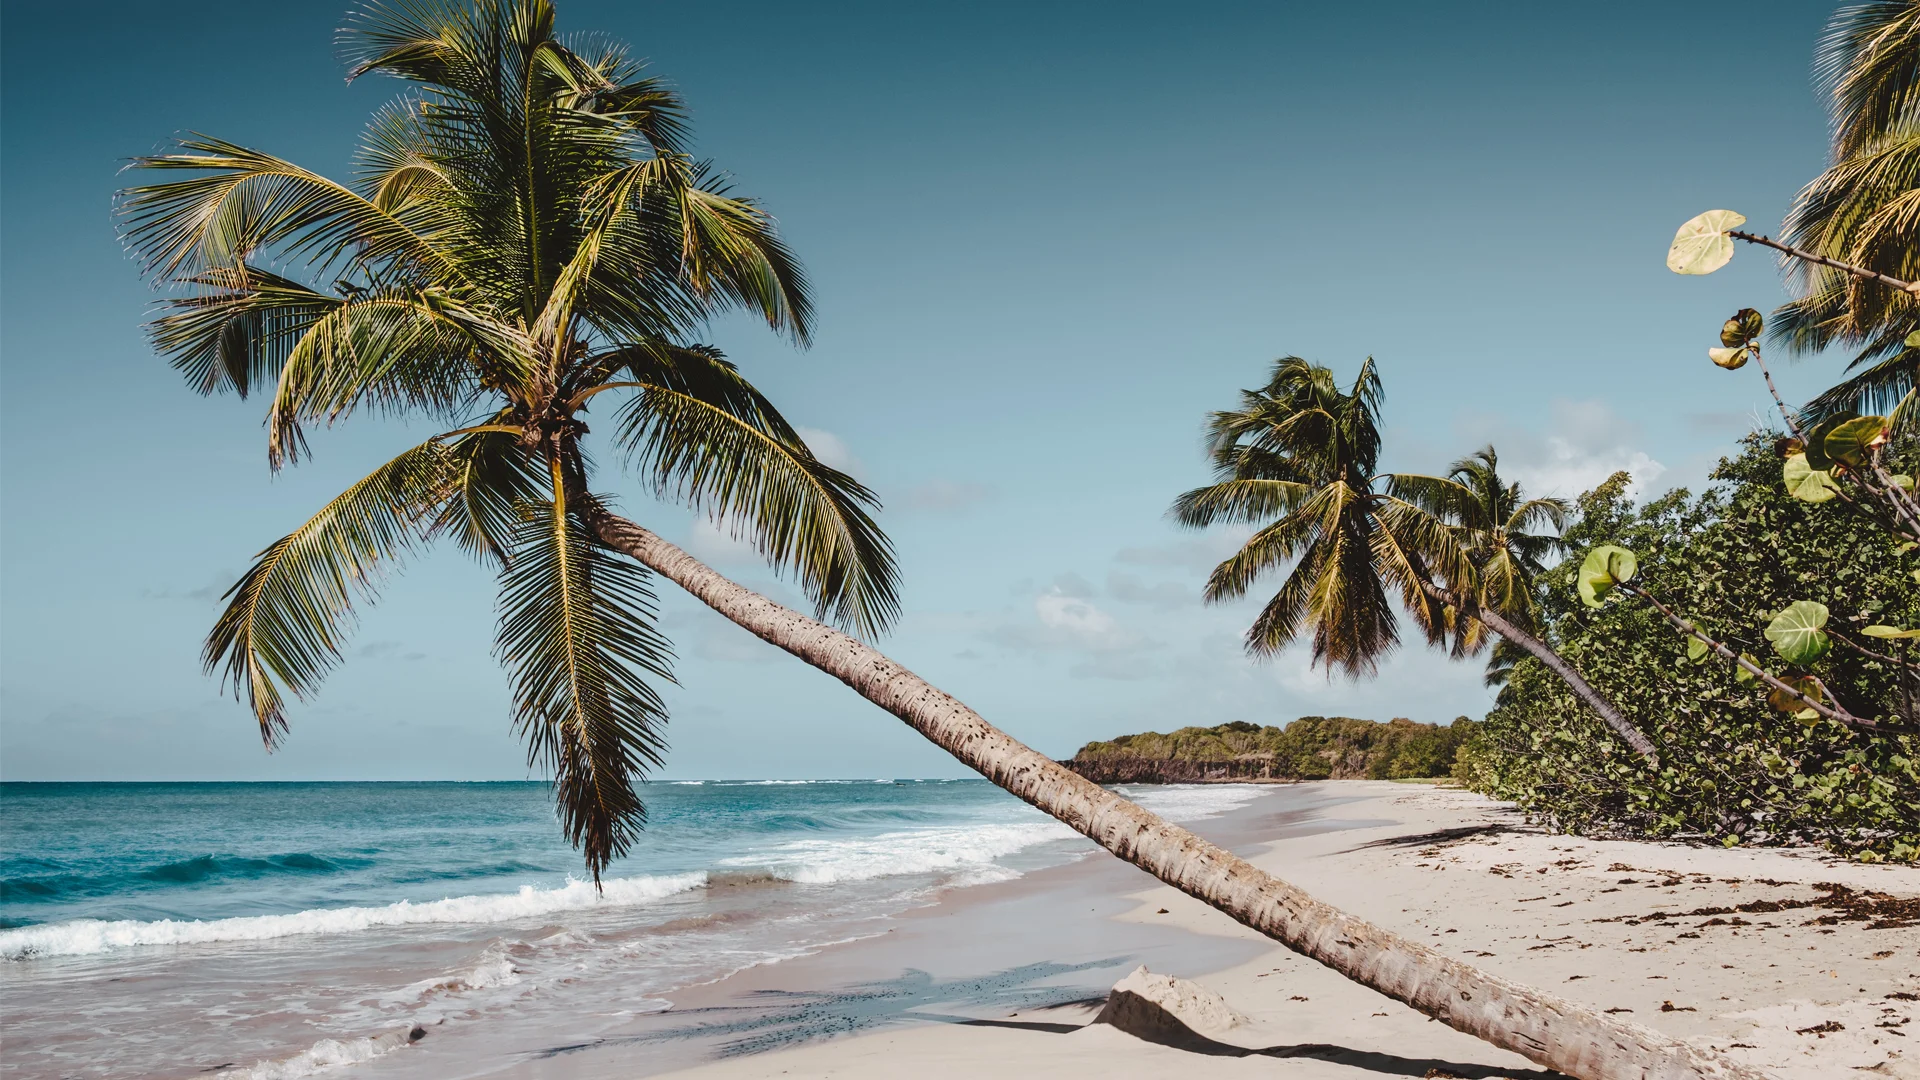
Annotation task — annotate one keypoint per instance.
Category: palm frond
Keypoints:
(1868, 62)
(244, 201)
(707, 438)
(286, 618)
(389, 349)
(1880, 390)
(1238, 501)
(492, 488)
(577, 632)
(238, 327)
(1271, 547)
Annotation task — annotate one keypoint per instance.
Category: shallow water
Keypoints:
(273, 930)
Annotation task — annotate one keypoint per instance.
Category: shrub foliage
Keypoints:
(1310, 748)
(1733, 769)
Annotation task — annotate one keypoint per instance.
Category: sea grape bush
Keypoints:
(1742, 558)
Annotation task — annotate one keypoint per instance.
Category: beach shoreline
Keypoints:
(1804, 973)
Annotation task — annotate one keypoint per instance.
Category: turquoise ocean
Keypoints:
(280, 930)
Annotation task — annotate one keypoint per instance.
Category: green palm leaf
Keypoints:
(707, 438)
(576, 630)
(286, 618)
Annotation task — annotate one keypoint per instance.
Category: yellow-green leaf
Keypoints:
(1884, 632)
(1603, 568)
(1702, 244)
(1696, 649)
(1804, 482)
(1731, 359)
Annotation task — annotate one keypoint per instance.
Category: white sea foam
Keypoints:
(325, 1054)
(85, 936)
(496, 968)
(969, 849)
(1193, 802)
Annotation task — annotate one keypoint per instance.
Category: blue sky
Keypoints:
(1046, 239)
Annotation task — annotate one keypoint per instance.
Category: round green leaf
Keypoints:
(1731, 359)
(1889, 633)
(1702, 244)
(1797, 633)
(1742, 675)
(1603, 568)
(1696, 649)
(1804, 482)
(1848, 443)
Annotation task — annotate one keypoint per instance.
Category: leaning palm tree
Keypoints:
(529, 235)
(1497, 529)
(1299, 458)
(1864, 210)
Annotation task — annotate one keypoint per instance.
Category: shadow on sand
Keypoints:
(779, 1019)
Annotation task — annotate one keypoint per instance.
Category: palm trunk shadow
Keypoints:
(1373, 1061)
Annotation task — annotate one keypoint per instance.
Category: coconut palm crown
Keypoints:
(1299, 458)
(1498, 529)
(526, 233)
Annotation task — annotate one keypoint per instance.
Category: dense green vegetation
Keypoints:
(1733, 767)
(1735, 665)
(1310, 748)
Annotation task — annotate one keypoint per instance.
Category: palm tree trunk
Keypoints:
(1551, 1031)
(1557, 664)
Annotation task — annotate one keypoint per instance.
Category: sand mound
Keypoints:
(1163, 1009)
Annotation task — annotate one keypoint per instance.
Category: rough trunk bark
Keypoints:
(1554, 1032)
(1557, 664)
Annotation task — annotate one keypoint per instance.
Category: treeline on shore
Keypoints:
(1310, 748)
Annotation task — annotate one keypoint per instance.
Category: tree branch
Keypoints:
(1861, 272)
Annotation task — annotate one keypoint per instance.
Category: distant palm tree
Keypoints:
(1865, 210)
(527, 233)
(1496, 528)
(1299, 458)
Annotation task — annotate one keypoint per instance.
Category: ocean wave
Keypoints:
(969, 849)
(1193, 802)
(495, 968)
(204, 869)
(88, 936)
(328, 1054)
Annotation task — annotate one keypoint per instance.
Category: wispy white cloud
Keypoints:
(1197, 554)
(831, 449)
(722, 540)
(1585, 442)
(1162, 595)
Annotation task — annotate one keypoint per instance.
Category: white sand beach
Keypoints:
(1750, 951)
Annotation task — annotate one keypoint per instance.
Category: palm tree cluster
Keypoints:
(526, 233)
(1864, 209)
(1461, 553)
